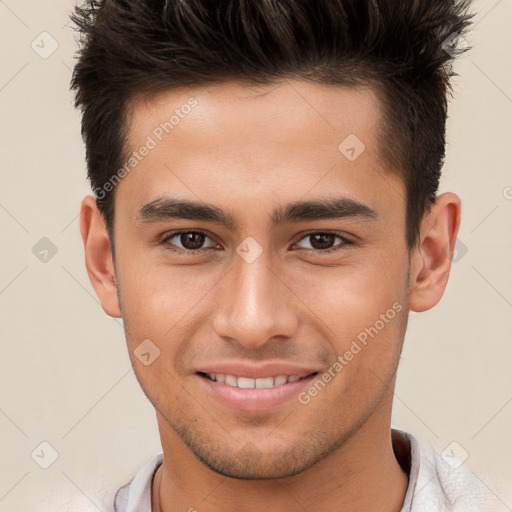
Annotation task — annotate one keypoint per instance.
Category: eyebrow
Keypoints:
(162, 209)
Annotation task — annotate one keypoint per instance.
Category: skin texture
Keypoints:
(249, 152)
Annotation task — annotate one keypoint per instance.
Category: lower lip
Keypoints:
(254, 399)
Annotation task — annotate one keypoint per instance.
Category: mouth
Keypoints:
(254, 394)
(250, 383)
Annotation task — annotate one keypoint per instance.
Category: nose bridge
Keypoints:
(255, 306)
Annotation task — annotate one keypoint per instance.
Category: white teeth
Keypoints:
(244, 382)
(247, 383)
(265, 382)
(231, 380)
(280, 379)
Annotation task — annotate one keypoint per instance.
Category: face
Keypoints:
(262, 237)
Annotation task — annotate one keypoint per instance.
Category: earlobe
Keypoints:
(98, 256)
(432, 258)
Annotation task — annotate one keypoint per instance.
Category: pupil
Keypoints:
(322, 240)
(192, 240)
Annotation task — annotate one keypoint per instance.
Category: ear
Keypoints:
(98, 256)
(432, 258)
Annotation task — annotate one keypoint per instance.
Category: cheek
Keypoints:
(158, 300)
(366, 353)
(352, 296)
(364, 307)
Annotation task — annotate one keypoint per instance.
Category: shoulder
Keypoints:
(441, 481)
(135, 496)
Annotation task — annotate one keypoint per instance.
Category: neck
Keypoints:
(353, 478)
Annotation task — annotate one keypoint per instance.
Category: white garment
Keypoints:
(434, 485)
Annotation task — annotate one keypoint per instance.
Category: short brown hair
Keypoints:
(134, 47)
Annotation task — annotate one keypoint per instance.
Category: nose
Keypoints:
(255, 305)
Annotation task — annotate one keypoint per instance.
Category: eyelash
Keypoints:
(192, 252)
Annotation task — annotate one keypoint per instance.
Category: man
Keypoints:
(265, 217)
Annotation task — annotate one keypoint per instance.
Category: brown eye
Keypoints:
(188, 241)
(322, 242)
(192, 240)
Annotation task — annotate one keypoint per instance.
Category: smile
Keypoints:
(254, 394)
(247, 382)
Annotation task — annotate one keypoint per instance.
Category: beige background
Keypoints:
(65, 375)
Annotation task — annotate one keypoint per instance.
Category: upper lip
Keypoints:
(257, 371)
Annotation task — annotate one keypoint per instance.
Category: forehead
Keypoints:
(272, 143)
(292, 107)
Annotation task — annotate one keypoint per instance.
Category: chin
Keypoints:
(251, 463)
